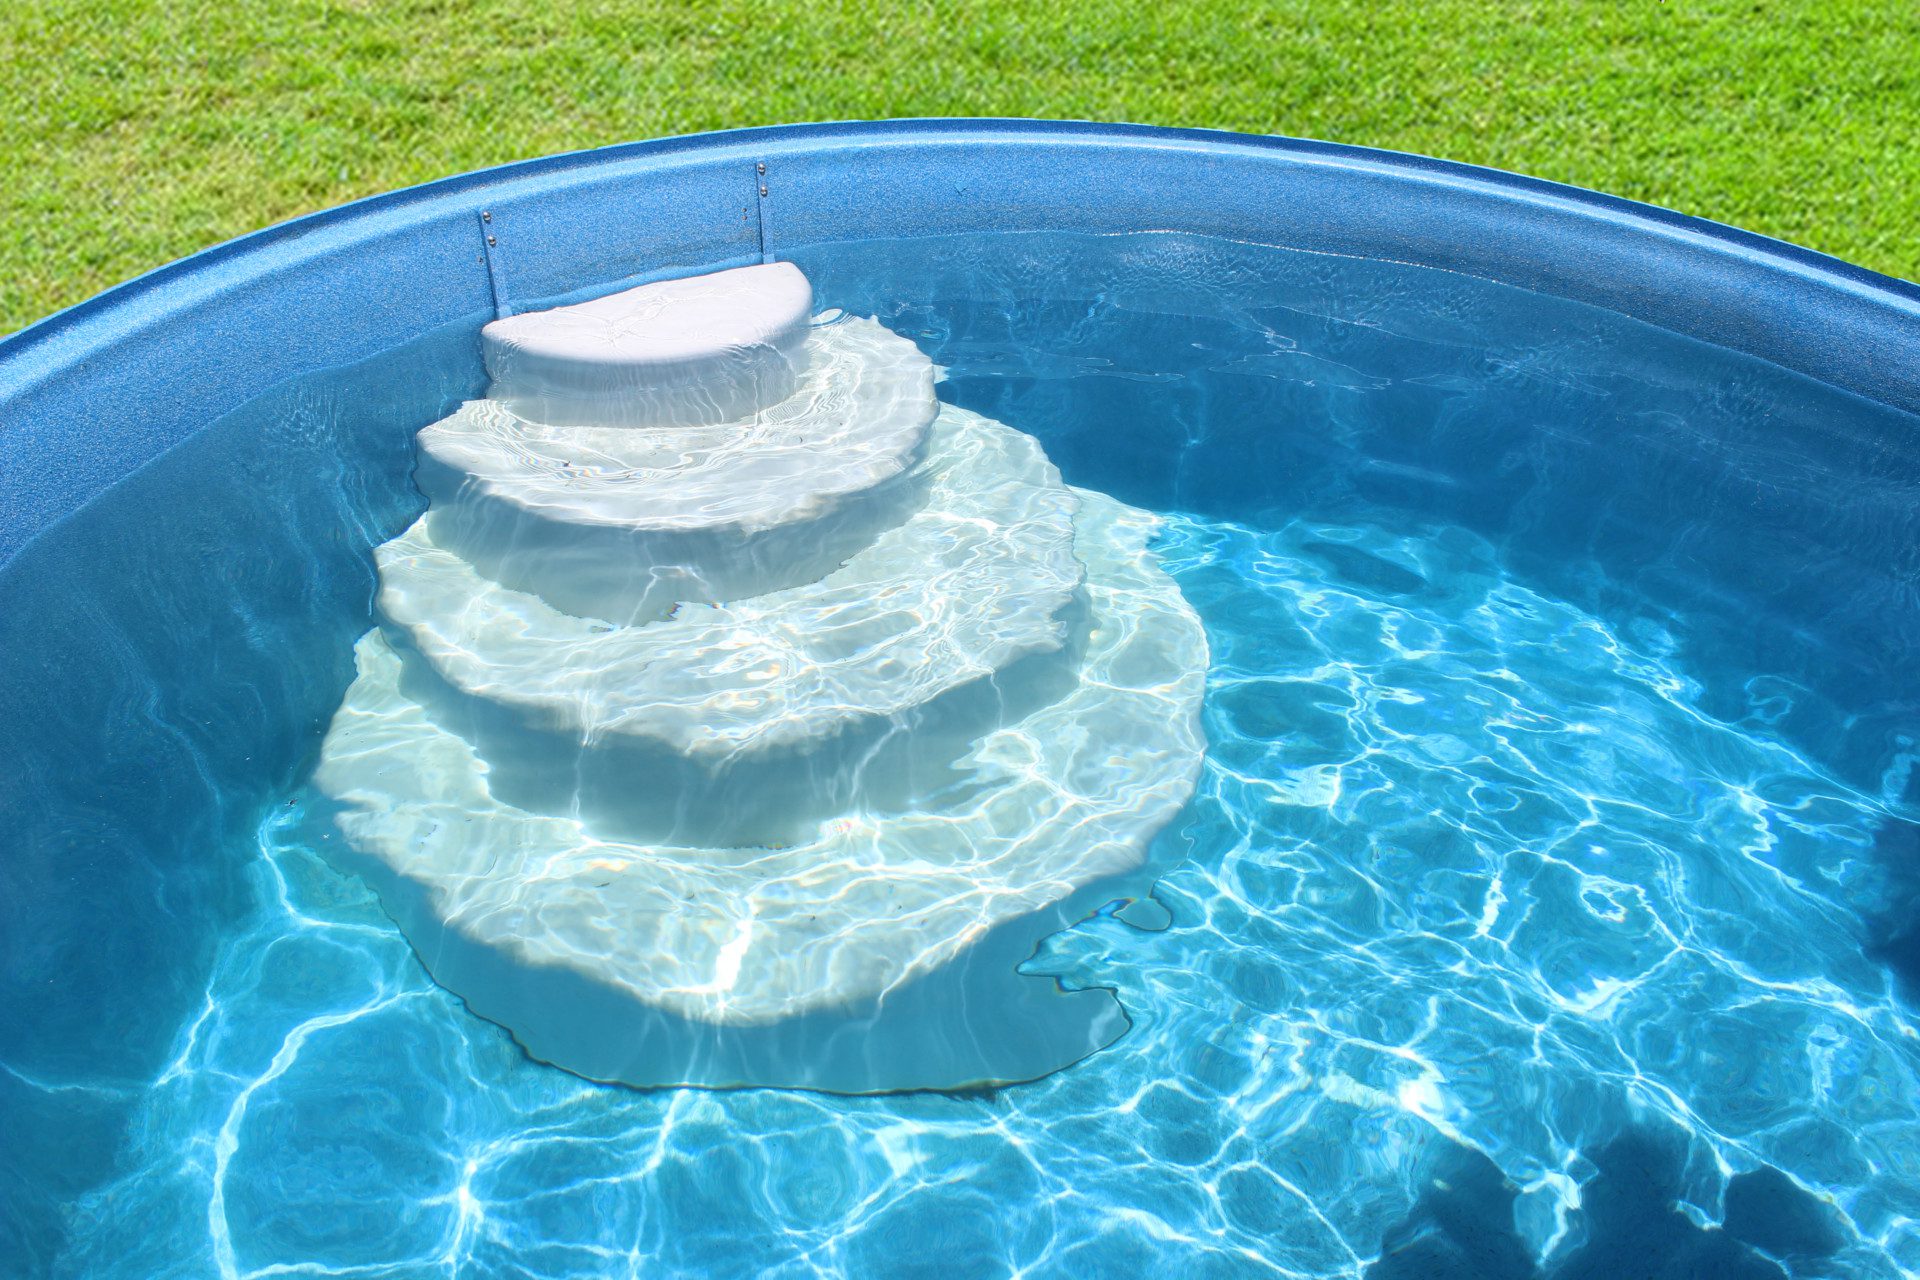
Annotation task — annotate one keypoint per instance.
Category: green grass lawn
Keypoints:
(137, 132)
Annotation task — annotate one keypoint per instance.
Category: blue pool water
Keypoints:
(1547, 907)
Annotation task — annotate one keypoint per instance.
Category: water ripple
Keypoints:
(1469, 870)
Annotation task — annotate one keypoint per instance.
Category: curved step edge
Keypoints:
(970, 583)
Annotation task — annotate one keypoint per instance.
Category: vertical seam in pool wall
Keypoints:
(90, 394)
(495, 256)
(762, 189)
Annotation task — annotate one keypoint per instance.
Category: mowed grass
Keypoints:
(134, 133)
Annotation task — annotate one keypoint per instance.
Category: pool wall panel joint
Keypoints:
(496, 269)
(763, 187)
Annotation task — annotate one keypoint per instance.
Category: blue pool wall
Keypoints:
(89, 394)
(160, 652)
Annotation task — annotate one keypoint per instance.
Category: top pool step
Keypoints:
(705, 349)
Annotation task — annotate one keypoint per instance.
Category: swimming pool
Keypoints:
(1545, 901)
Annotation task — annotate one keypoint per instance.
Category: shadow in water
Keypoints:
(1462, 1226)
(1893, 931)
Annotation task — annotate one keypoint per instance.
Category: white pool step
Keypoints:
(1067, 795)
(709, 348)
(742, 716)
(623, 522)
(971, 582)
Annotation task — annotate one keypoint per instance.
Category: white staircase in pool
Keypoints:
(743, 715)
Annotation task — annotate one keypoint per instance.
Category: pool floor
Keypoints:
(1476, 903)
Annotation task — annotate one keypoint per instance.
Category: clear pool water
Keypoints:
(1548, 907)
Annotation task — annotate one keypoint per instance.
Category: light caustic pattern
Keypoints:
(1467, 867)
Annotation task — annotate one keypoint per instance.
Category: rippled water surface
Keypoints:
(1545, 908)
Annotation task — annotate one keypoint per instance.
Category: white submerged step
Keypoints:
(973, 580)
(625, 521)
(1067, 796)
(744, 717)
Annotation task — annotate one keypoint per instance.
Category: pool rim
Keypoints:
(13, 345)
(92, 392)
